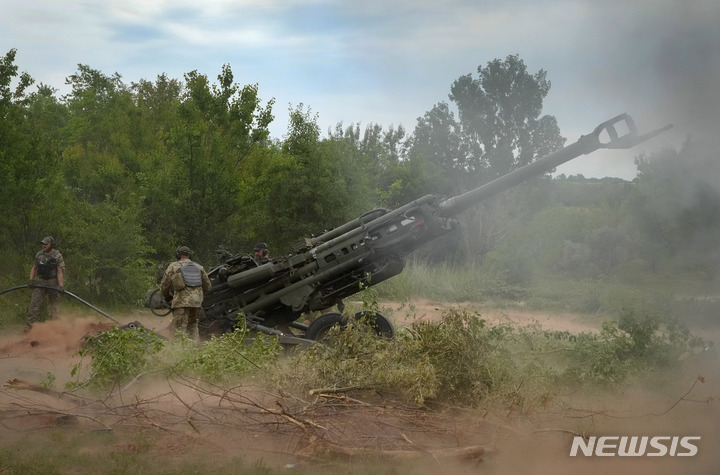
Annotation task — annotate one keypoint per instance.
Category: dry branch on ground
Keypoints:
(325, 426)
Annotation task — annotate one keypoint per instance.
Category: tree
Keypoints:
(437, 138)
(499, 116)
(499, 128)
(100, 162)
(32, 192)
(194, 193)
(375, 153)
(307, 185)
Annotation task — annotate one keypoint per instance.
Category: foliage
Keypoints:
(30, 146)
(635, 345)
(353, 357)
(499, 128)
(116, 356)
(456, 361)
(107, 252)
(460, 360)
(468, 357)
(500, 118)
(222, 358)
(305, 185)
(676, 206)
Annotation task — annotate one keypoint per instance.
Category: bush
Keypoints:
(221, 358)
(460, 360)
(116, 356)
(354, 357)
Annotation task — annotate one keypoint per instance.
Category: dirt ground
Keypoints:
(194, 423)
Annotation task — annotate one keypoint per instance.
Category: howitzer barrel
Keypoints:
(585, 144)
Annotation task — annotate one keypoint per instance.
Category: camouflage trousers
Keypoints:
(37, 298)
(185, 319)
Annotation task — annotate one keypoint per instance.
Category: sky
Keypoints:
(388, 62)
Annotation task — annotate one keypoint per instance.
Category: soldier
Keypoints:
(186, 283)
(49, 268)
(261, 253)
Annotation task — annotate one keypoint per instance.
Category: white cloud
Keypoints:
(389, 61)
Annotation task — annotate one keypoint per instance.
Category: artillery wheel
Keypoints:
(318, 329)
(379, 322)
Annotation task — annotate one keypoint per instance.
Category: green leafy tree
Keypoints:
(437, 139)
(194, 194)
(104, 243)
(499, 128)
(376, 153)
(32, 191)
(306, 186)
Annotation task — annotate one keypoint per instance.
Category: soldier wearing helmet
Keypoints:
(261, 254)
(185, 283)
(49, 268)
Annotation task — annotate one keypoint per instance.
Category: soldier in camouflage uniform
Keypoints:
(49, 268)
(186, 283)
(261, 253)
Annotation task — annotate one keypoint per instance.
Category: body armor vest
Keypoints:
(191, 274)
(47, 266)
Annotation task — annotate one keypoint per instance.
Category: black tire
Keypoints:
(158, 313)
(317, 330)
(379, 322)
(154, 297)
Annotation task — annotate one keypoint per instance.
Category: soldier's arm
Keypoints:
(166, 284)
(61, 277)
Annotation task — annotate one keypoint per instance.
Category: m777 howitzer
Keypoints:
(370, 249)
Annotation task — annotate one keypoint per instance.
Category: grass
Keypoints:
(118, 452)
(688, 294)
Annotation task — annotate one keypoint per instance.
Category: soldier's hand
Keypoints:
(31, 283)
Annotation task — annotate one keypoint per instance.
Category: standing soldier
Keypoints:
(186, 283)
(49, 268)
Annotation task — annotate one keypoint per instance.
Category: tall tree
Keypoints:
(194, 195)
(376, 154)
(308, 185)
(32, 192)
(499, 116)
(499, 128)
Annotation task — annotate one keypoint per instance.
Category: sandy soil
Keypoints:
(284, 433)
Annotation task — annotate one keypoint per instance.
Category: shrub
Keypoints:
(354, 357)
(116, 356)
(221, 358)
